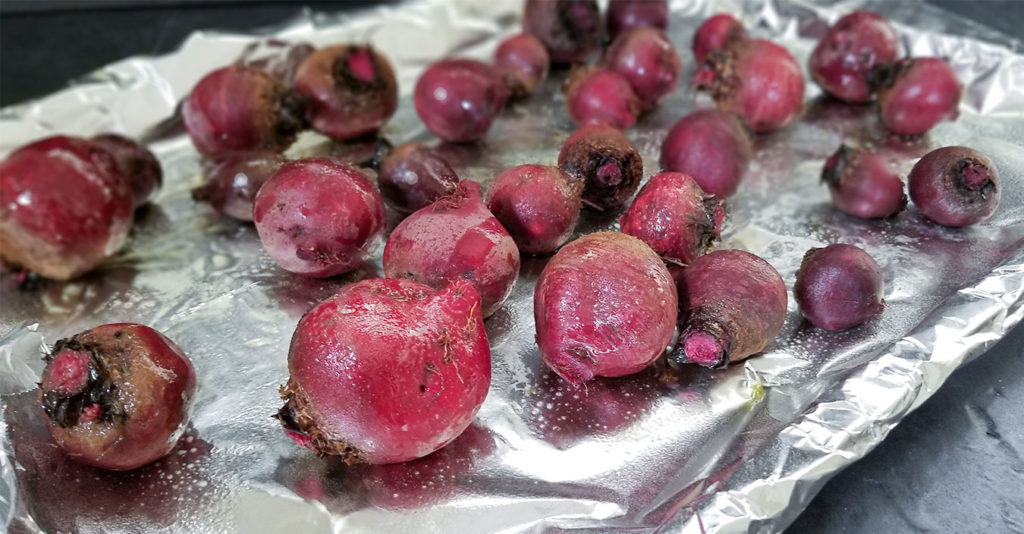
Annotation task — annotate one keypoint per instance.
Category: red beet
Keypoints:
(415, 175)
(136, 162)
(601, 96)
(603, 159)
(756, 79)
(605, 305)
(624, 15)
(522, 62)
(455, 237)
(712, 146)
(648, 61)
(233, 181)
(65, 206)
(386, 370)
(539, 205)
(732, 304)
(117, 396)
(570, 29)
(955, 186)
(351, 90)
(458, 99)
(862, 184)
(915, 94)
(318, 217)
(838, 287)
(241, 108)
(845, 56)
(675, 217)
(717, 33)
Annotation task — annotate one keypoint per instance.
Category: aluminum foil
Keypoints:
(736, 450)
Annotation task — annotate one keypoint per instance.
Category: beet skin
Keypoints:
(955, 186)
(838, 287)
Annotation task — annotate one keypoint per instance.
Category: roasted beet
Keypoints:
(756, 79)
(386, 370)
(863, 184)
(845, 56)
(65, 206)
(539, 205)
(732, 304)
(624, 15)
(233, 181)
(455, 237)
(351, 90)
(136, 162)
(570, 29)
(675, 217)
(117, 396)
(601, 96)
(603, 159)
(458, 99)
(712, 146)
(648, 61)
(838, 287)
(955, 186)
(717, 33)
(413, 176)
(522, 62)
(319, 217)
(915, 94)
(605, 305)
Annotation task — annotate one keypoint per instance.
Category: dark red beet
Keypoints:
(539, 205)
(522, 62)
(455, 238)
(458, 99)
(838, 287)
(862, 184)
(601, 96)
(65, 206)
(624, 15)
(675, 217)
(232, 182)
(732, 304)
(605, 305)
(717, 33)
(136, 162)
(955, 186)
(648, 61)
(318, 217)
(241, 108)
(915, 94)
(351, 90)
(117, 396)
(387, 370)
(570, 29)
(415, 175)
(603, 159)
(712, 146)
(845, 56)
(756, 79)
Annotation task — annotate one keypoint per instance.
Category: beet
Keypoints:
(606, 162)
(458, 99)
(624, 15)
(717, 33)
(862, 184)
(570, 29)
(712, 146)
(233, 181)
(838, 287)
(415, 175)
(136, 162)
(915, 94)
(648, 61)
(845, 56)
(596, 95)
(539, 205)
(955, 186)
(522, 62)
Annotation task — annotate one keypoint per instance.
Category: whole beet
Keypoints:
(605, 305)
(648, 61)
(455, 238)
(458, 99)
(862, 184)
(233, 181)
(675, 217)
(387, 370)
(624, 15)
(712, 146)
(136, 162)
(732, 304)
(717, 33)
(117, 396)
(538, 205)
(845, 56)
(596, 95)
(955, 186)
(415, 175)
(915, 94)
(606, 162)
(570, 29)
(522, 62)
(838, 287)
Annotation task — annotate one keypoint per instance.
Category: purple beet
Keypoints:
(713, 146)
(838, 287)
(522, 62)
(415, 175)
(233, 181)
(955, 186)
(915, 94)
(845, 56)
(624, 15)
(862, 184)
(648, 61)
(570, 29)
(539, 205)
(606, 162)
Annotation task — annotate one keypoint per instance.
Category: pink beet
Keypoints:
(136, 162)
(624, 15)
(570, 29)
(539, 205)
(863, 184)
(458, 99)
(648, 61)
(712, 146)
(522, 62)
(915, 94)
(455, 238)
(415, 175)
(606, 162)
(605, 305)
(955, 186)
(387, 370)
(675, 217)
(846, 55)
(601, 96)
(717, 33)
(838, 287)
(318, 217)
(233, 181)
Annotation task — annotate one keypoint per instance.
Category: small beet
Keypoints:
(601, 96)
(522, 62)
(539, 205)
(605, 305)
(845, 56)
(838, 287)
(387, 370)
(624, 15)
(117, 396)
(717, 33)
(915, 94)
(675, 217)
(351, 90)
(233, 181)
(648, 61)
(136, 162)
(955, 186)
(732, 304)
(570, 29)
(458, 99)
(318, 217)
(415, 175)
(712, 146)
(606, 162)
(862, 184)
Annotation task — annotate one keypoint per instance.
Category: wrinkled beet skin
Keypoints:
(712, 146)
(605, 305)
(624, 15)
(538, 205)
(387, 370)
(136, 162)
(601, 96)
(413, 176)
(675, 217)
(838, 287)
(233, 181)
(716, 33)
(606, 162)
(955, 186)
(915, 94)
(648, 61)
(65, 206)
(522, 62)
(141, 416)
(843, 59)
(458, 99)
(345, 103)
(318, 217)
(455, 237)
(570, 29)
(862, 184)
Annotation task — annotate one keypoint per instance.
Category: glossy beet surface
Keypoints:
(538, 204)
(648, 61)
(712, 146)
(716, 33)
(624, 15)
(606, 162)
(570, 29)
(458, 99)
(848, 52)
(136, 162)
(601, 96)
(863, 184)
(838, 287)
(233, 181)
(414, 175)
(522, 62)
(915, 94)
(955, 186)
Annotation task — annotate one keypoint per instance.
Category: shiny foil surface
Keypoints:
(736, 450)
